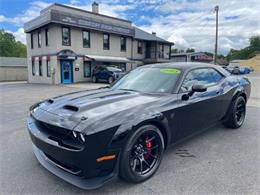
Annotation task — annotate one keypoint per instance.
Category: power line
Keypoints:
(194, 19)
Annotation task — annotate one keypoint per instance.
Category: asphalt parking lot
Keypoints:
(219, 161)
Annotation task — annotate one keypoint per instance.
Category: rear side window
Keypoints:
(205, 76)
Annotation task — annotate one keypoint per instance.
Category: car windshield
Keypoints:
(113, 69)
(149, 80)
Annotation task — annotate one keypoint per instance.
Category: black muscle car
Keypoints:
(89, 137)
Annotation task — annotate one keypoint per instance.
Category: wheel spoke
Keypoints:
(155, 157)
(149, 166)
(141, 166)
(150, 139)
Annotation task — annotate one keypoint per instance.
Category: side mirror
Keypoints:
(195, 88)
(199, 88)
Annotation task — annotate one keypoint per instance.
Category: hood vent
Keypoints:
(72, 108)
(50, 101)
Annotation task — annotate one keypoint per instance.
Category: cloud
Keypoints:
(2, 18)
(192, 23)
(187, 23)
(32, 12)
(19, 35)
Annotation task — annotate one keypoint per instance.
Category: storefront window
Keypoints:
(123, 43)
(66, 36)
(48, 68)
(40, 68)
(33, 68)
(86, 39)
(106, 41)
(87, 69)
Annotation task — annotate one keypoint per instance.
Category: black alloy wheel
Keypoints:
(237, 113)
(240, 112)
(143, 156)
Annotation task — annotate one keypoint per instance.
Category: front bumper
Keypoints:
(76, 166)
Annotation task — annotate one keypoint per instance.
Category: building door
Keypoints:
(66, 71)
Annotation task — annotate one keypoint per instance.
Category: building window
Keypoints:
(40, 68)
(66, 36)
(47, 37)
(86, 39)
(33, 68)
(39, 39)
(161, 50)
(105, 41)
(140, 47)
(87, 69)
(48, 68)
(123, 43)
(31, 40)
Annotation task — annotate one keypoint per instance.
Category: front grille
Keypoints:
(60, 135)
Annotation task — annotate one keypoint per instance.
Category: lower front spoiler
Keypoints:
(81, 182)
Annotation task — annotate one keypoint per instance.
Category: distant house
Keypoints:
(191, 57)
(13, 69)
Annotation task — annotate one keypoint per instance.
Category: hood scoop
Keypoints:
(71, 108)
(50, 101)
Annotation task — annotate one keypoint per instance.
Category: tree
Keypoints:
(190, 50)
(247, 52)
(9, 47)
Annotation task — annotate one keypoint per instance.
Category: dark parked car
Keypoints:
(106, 73)
(89, 137)
(232, 69)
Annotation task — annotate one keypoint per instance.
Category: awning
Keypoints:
(106, 59)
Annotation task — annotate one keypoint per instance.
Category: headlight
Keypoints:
(82, 137)
(74, 134)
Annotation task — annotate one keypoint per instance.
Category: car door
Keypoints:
(201, 109)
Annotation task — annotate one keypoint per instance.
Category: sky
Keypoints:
(187, 23)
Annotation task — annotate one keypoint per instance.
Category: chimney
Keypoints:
(154, 33)
(95, 7)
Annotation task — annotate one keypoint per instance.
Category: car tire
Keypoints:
(137, 165)
(237, 113)
(94, 79)
(110, 80)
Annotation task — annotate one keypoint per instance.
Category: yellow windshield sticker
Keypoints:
(170, 70)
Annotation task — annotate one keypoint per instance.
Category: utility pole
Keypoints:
(216, 41)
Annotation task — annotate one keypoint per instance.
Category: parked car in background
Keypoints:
(245, 70)
(106, 73)
(232, 69)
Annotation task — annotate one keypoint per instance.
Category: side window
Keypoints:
(205, 76)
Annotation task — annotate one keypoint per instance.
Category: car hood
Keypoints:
(89, 110)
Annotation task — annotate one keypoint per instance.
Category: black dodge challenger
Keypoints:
(89, 137)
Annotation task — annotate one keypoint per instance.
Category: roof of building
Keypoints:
(82, 10)
(142, 35)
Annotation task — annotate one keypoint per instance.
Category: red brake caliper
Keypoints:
(148, 146)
